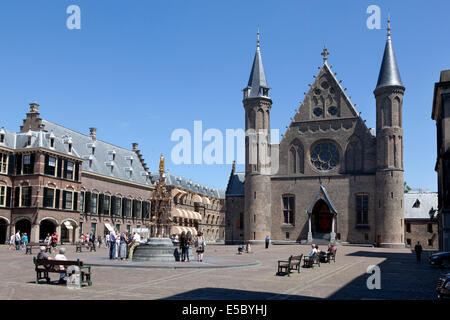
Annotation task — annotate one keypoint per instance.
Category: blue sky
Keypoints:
(137, 70)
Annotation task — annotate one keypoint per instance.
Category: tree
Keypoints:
(406, 188)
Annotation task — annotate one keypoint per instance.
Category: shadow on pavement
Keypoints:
(232, 294)
(401, 278)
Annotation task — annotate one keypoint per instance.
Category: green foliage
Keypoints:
(406, 188)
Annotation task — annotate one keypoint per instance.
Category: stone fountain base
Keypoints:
(156, 249)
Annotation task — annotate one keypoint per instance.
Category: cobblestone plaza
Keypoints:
(226, 275)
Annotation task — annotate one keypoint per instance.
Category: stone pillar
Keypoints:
(58, 231)
(310, 239)
(71, 234)
(333, 231)
(34, 236)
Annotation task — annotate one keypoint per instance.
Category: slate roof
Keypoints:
(125, 161)
(235, 185)
(177, 181)
(389, 74)
(322, 194)
(426, 199)
(257, 78)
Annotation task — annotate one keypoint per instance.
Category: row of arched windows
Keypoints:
(259, 120)
(353, 159)
(391, 113)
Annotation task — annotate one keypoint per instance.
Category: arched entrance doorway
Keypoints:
(24, 226)
(68, 231)
(322, 220)
(45, 227)
(3, 231)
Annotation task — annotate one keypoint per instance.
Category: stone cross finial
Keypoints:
(325, 54)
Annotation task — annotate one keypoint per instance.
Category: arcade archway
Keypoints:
(3, 231)
(321, 219)
(24, 226)
(46, 227)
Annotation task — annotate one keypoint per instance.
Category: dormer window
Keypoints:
(70, 148)
(52, 142)
(2, 138)
(416, 204)
(93, 149)
(29, 141)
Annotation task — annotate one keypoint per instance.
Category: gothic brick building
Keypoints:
(335, 180)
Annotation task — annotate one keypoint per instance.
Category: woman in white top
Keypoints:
(61, 256)
(117, 244)
(12, 242)
(200, 246)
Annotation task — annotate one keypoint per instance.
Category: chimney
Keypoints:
(135, 146)
(34, 107)
(233, 168)
(93, 133)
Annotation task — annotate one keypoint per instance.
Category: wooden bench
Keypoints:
(293, 263)
(309, 262)
(29, 247)
(43, 267)
(88, 245)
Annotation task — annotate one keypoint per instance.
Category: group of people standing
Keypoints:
(18, 240)
(121, 246)
(186, 240)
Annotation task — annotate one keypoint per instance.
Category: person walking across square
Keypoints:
(267, 242)
(418, 250)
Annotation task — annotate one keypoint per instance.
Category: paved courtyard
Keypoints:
(226, 275)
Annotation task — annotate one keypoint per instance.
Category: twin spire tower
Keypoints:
(388, 197)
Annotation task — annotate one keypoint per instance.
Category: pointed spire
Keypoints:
(389, 74)
(257, 84)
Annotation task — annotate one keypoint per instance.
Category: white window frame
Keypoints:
(71, 203)
(4, 161)
(3, 192)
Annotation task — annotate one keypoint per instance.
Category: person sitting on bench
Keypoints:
(61, 256)
(312, 253)
(42, 255)
(331, 248)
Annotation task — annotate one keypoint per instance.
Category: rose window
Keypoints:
(324, 156)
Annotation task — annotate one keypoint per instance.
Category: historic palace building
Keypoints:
(56, 179)
(337, 180)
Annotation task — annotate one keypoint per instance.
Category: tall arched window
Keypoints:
(353, 156)
(397, 111)
(251, 120)
(387, 113)
(293, 160)
(296, 157)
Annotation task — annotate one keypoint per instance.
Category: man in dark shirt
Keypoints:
(418, 249)
(42, 255)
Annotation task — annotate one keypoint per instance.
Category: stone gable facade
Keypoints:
(336, 180)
